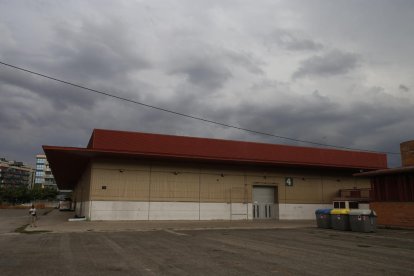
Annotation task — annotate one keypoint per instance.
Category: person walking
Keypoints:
(33, 216)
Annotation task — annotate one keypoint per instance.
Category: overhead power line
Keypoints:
(187, 115)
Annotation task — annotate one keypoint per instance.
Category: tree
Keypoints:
(22, 194)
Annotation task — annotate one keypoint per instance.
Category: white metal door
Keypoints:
(264, 206)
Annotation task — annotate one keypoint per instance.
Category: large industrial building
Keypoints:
(141, 176)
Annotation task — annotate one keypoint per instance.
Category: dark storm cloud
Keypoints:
(83, 55)
(208, 61)
(293, 42)
(357, 126)
(330, 64)
(213, 69)
(61, 96)
(403, 88)
(204, 73)
(247, 62)
(96, 50)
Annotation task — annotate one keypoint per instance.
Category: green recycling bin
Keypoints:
(363, 220)
(323, 218)
(340, 219)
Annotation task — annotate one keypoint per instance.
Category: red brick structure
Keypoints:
(394, 213)
(393, 191)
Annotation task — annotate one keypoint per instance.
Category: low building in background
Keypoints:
(393, 190)
(141, 176)
(15, 174)
(43, 175)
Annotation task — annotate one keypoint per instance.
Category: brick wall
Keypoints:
(394, 213)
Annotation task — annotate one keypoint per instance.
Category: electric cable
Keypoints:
(187, 115)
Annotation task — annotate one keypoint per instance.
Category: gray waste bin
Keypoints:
(340, 219)
(363, 220)
(323, 218)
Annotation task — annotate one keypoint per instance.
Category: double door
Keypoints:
(265, 202)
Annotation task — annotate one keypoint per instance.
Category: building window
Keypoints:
(40, 173)
(353, 205)
(40, 161)
(38, 180)
(40, 167)
(339, 204)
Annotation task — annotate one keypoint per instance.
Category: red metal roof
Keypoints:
(400, 170)
(203, 148)
(110, 143)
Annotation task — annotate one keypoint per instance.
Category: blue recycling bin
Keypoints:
(323, 218)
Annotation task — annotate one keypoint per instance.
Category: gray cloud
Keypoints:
(204, 73)
(294, 42)
(210, 61)
(403, 88)
(320, 119)
(96, 50)
(330, 64)
(210, 69)
(59, 95)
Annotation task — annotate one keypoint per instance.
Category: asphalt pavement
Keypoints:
(208, 248)
(57, 221)
(10, 219)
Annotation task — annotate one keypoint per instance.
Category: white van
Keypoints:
(65, 204)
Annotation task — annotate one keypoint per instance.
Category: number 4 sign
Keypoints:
(289, 181)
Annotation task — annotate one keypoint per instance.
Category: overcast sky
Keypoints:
(335, 72)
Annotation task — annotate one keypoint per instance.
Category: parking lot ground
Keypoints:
(11, 219)
(171, 251)
(57, 222)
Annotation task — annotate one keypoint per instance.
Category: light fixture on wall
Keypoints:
(222, 175)
(175, 173)
(121, 170)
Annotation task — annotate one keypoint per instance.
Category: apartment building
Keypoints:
(14, 173)
(43, 175)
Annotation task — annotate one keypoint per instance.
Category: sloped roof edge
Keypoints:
(122, 144)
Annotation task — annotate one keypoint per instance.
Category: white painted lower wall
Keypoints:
(133, 210)
(82, 208)
(174, 211)
(119, 210)
(240, 211)
(300, 211)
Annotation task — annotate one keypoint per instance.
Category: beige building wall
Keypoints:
(173, 182)
(81, 193)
